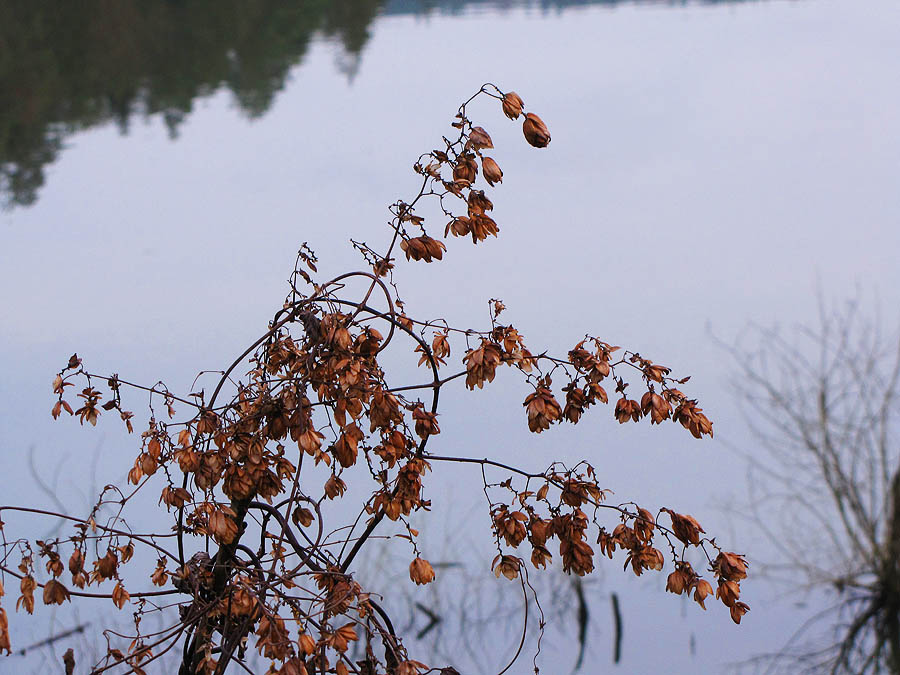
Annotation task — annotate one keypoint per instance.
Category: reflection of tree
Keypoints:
(826, 411)
(461, 6)
(68, 66)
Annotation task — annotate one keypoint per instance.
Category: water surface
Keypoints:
(711, 164)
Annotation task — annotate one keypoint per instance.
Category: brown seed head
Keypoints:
(536, 132)
(480, 139)
(421, 571)
(738, 609)
(728, 592)
(491, 171)
(512, 105)
(702, 589)
(55, 593)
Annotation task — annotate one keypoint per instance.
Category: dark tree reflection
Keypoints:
(67, 66)
(73, 65)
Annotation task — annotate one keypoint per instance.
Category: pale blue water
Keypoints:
(711, 164)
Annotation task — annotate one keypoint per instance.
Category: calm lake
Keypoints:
(713, 165)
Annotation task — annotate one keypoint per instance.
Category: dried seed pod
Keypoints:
(536, 132)
(480, 139)
(466, 168)
(491, 171)
(421, 571)
(512, 105)
(423, 248)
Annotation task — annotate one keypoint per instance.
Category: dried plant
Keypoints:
(252, 554)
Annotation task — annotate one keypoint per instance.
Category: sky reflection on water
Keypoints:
(710, 165)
